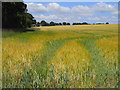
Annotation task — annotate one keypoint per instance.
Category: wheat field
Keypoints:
(80, 56)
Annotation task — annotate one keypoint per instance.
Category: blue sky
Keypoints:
(71, 0)
(91, 12)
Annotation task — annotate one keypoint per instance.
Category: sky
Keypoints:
(91, 12)
(71, 0)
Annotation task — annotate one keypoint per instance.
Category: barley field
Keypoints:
(80, 56)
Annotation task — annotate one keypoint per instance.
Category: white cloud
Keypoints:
(55, 18)
(82, 10)
(113, 19)
(56, 12)
(105, 8)
(51, 7)
(36, 8)
(72, 19)
(47, 18)
(103, 19)
(115, 13)
(56, 8)
(109, 19)
(94, 19)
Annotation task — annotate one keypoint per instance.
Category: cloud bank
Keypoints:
(60, 13)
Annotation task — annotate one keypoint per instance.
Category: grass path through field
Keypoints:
(98, 67)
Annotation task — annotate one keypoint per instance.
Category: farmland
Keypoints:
(80, 56)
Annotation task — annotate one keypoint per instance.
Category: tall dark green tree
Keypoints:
(29, 20)
(14, 15)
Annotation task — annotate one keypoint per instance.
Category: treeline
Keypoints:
(14, 15)
(44, 23)
(84, 23)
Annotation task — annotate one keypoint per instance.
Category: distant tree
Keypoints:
(38, 24)
(107, 22)
(64, 23)
(68, 24)
(74, 24)
(77, 24)
(47, 24)
(99, 23)
(56, 23)
(60, 23)
(43, 23)
(52, 24)
(84, 23)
